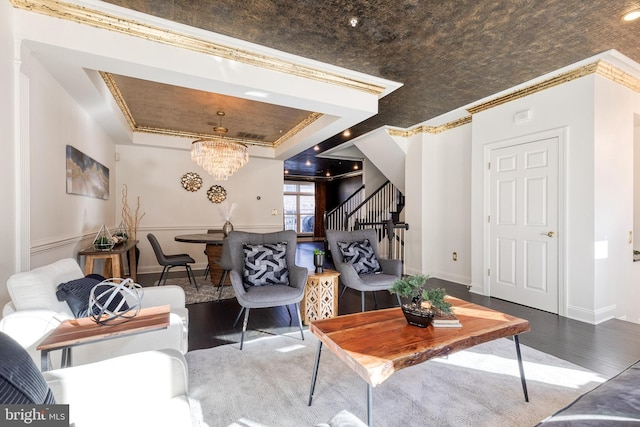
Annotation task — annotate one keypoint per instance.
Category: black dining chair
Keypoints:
(170, 261)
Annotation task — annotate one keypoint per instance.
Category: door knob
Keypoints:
(548, 234)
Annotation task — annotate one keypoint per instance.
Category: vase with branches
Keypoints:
(130, 219)
(227, 210)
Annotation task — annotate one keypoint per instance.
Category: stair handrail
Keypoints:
(353, 195)
(364, 202)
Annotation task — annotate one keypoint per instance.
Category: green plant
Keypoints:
(318, 252)
(414, 287)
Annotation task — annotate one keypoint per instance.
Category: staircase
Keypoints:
(381, 211)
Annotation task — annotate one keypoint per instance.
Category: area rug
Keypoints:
(206, 292)
(268, 382)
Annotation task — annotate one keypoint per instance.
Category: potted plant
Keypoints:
(103, 240)
(318, 259)
(425, 302)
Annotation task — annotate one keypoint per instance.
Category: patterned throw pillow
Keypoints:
(265, 264)
(361, 256)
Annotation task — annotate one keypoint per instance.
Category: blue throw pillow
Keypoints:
(76, 293)
(265, 264)
(361, 256)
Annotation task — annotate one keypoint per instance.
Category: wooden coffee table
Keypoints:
(71, 333)
(375, 344)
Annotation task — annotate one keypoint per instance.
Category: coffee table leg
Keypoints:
(524, 382)
(369, 405)
(315, 372)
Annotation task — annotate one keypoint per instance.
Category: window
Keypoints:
(299, 206)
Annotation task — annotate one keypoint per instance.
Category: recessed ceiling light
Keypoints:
(346, 133)
(328, 174)
(308, 163)
(632, 15)
(257, 94)
(316, 148)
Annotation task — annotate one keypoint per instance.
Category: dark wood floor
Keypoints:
(607, 348)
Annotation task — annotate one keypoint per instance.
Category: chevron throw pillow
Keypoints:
(361, 256)
(265, 264)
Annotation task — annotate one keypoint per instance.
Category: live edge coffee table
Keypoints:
(375, 344)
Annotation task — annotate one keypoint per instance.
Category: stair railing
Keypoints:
(335, 218)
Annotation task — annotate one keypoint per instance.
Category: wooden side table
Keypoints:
(71, 333)
(112, 260)
(320, 296)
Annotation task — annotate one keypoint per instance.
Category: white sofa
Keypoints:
(142, 389)
(34, 311)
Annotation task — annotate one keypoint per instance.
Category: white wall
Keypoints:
(8, 256)
(60, 221)
(616, 275)
(154, 175)
(416, 238)
(598, 189)
(450, 203)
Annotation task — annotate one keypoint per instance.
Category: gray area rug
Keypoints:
(267, 384)
(207, 292)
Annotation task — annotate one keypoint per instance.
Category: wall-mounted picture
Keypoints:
(85, 176)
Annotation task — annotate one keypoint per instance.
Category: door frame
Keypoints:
(562, 135)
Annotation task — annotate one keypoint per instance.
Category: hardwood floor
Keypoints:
(607, 348)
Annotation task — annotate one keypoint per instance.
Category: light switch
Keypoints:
(274, 211)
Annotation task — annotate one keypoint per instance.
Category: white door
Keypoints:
(523, 224)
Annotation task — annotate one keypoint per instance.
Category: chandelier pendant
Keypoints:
(220, 157)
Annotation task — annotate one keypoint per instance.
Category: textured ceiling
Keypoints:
(177, 110)
(447, 53)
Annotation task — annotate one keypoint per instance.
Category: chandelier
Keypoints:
(218, 156)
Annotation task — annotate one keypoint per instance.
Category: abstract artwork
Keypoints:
(85, 176)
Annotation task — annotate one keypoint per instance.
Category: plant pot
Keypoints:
(318, 261)
(416, 316)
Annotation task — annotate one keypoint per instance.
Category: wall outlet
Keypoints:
(454, 256)
(274, 211)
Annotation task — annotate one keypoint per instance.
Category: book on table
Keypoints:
(446, 321)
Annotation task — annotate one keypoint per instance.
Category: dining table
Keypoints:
(219, 262)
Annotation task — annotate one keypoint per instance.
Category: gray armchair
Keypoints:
(391, 269)
(257, 277)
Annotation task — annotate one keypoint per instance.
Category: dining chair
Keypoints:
(264, 273)
(355, 256)
(170, 261)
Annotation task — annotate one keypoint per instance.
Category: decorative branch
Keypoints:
(130, 221)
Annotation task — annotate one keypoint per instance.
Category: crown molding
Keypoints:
(600, 67)
(125, 25)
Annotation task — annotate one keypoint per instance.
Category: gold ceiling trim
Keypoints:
(616, 75)
(102, 20)
(430, 129)
(297, 128)
(599, 67)
(117, 95)
(197, 135)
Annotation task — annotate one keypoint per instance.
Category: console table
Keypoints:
(112, 260)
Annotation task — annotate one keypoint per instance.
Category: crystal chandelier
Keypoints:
(218, 156)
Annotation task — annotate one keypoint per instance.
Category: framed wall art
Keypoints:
(85, 176)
